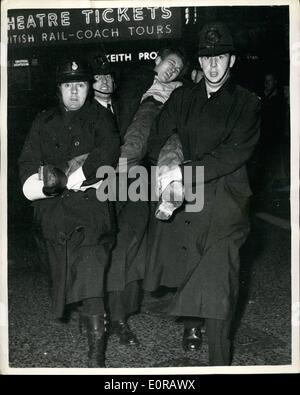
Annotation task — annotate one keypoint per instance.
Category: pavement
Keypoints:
(262, 327)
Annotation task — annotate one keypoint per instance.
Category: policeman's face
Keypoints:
(168, 69)
(216, 69)
(74, 94)
(103, 85)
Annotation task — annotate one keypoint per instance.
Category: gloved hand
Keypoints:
(54, 179)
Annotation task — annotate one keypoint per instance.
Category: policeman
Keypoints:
(58, 164)
(198, 252)
(104, 84)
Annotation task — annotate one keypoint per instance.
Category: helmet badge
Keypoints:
(213, 37)
(74, 66)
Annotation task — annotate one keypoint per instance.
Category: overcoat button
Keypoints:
(76, 143)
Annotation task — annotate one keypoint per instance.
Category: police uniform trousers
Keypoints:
(78, 231)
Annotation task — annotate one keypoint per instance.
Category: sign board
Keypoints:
(64, 26)
(111, 57)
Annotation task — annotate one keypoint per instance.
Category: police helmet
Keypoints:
(215, 39)
(101, 66)
(73, 70)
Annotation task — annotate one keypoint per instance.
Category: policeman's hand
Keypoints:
(55, 180)
(196, 76)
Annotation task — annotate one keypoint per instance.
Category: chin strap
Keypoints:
(103, 93)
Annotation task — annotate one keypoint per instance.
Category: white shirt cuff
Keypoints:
(33, 188)
(76, 179)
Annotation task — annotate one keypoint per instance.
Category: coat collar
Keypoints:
(70, 115)
(228, 87)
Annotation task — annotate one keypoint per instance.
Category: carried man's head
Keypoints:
(104, 78)
(169, 63)
(73, 78)
(216, 54)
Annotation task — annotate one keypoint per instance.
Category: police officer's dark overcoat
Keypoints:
(199, 252)
(76, 226)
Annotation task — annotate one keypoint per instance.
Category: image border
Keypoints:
(294, 7)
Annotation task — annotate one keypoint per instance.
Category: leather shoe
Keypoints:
(124, 333)
(96, 335)
(192, 339)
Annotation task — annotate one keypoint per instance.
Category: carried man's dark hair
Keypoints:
(166, 51)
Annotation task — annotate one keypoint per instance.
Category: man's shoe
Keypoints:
(192, 339)
(124, 332)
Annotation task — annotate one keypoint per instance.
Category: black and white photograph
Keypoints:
(149, 187)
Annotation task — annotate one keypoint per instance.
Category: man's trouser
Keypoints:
(121, 304)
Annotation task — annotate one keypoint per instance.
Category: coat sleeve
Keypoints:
(107, 147)
(171, 154)
(136, 137)
(237, 148)
(31, 156)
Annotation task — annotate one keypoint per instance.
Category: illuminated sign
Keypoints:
(44, 26)
(128, 57)
(21, 63)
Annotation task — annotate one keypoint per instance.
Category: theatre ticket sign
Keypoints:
(58, 26)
